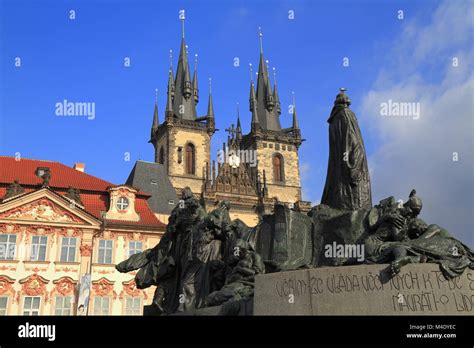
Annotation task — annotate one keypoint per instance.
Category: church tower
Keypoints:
(276, 147)
(182, 141)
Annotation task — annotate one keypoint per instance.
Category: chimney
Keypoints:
(79, 166)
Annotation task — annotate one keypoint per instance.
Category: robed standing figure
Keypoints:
(347, 182)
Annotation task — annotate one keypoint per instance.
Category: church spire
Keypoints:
(210, 111)
(187, 89)
(184, 107)
(239, 128)
(252, 90)
(276, 98)
(195, 80)
(296, 128)
(170, 91)
(253, 104)
(267, 113)
(156, 122)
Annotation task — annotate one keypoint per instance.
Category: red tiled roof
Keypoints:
(62, 176)
(94, 194)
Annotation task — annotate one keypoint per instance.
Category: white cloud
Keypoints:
(419, 153)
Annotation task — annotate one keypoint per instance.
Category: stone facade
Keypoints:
(288, 190)
(173, 140)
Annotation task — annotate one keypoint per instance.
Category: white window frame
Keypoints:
(70, 248)
(36, 247)
(99, 307)
(8, 248)
(135, 247)
(4, 310)
(60, 308)
(106, 247)
(32, 310)
(132, 310)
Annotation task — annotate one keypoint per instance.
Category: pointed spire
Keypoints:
(184, 107)
(195, 80)
(169, 101)
(269, 93)
(187, 91)
(276, 98)
(155, 123)
(239, 128)
(252, 89)
(253, 104)
(268, 115)
(171, 83)
(171, 60)
(210, 106)
(170, 91)
(210, 111)
(296, 128)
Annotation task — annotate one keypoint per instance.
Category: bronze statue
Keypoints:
(347, 181)
(193, 258)
(398, 236)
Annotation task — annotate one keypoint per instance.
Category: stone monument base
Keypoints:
(419, 289)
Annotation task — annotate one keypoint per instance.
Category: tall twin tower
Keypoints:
(253, 171)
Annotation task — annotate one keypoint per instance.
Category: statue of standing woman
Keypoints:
(347, 181)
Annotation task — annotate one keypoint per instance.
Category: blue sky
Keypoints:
(82, 60)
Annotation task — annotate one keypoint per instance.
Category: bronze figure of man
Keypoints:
(347, 181)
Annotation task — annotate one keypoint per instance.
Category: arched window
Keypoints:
(161, 156)
(278, 170)
(190, 159)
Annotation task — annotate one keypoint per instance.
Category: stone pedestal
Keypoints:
(419, 289)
